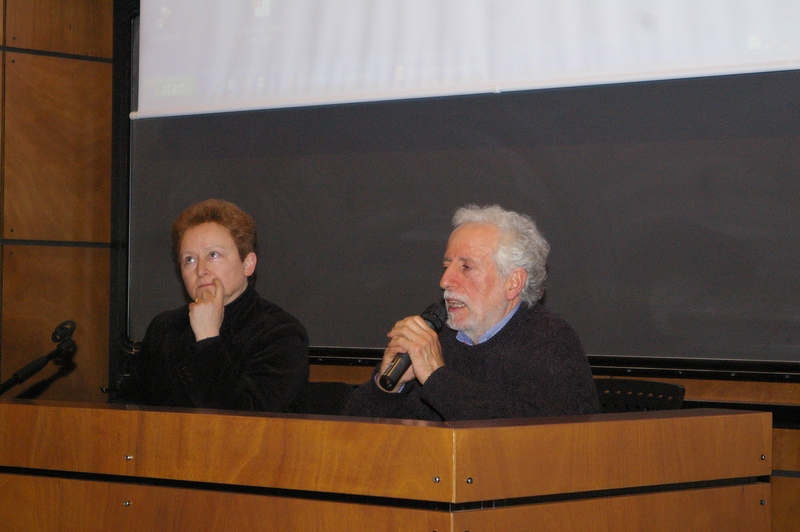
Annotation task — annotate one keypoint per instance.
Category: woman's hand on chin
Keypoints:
(207, 312)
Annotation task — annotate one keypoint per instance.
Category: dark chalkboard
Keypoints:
(672, 208)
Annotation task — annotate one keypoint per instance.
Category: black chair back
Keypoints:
(325, 398)
(630, 395)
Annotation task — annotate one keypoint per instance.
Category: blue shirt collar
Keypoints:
(464, 339)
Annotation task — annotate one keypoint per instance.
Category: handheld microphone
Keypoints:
(435, 316)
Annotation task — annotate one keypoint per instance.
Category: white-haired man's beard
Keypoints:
(463, 314)
(471, 317)
(453, 301)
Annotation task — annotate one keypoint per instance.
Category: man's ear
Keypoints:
(515, 282)
(249, 264)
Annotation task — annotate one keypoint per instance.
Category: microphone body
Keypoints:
(435, 316)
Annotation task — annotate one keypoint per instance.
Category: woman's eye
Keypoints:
(213, 255)
(188, 260)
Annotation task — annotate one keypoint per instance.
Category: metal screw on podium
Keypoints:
(126, 503)
(763, 502)
(128, 457)
(763, 456)
(436, 480)
(469, 480)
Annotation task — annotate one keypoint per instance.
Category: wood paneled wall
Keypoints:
(56, 214)
(79, 27)
(58, 149)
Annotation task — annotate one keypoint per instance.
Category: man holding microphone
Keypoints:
(502, 354)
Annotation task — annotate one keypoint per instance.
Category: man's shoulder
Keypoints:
(539, 319)
(539, 312)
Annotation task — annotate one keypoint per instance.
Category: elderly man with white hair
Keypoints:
(502, 354)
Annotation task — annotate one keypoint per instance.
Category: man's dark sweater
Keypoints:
(259, 361)
(534, 366)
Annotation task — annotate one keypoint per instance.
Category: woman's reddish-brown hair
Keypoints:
(241, 225)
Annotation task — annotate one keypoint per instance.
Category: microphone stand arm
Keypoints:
(34, 367)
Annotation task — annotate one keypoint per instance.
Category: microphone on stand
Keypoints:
(435, 316)
(63, 336)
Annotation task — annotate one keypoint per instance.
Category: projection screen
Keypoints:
(202, 56)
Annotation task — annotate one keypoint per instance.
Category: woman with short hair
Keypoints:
(228, 348)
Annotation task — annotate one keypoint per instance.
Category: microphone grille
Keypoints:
(435, 315)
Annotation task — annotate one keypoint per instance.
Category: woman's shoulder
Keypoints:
(273, 315)
(171, 318)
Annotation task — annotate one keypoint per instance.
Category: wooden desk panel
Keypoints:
(610, 451)
(91, 506)
(299, 453)
(196, 470)
(394, 458)
(786, 449)
(279, 451)
(123, 507)
(785, 504)
(728, 509)
(83, 438)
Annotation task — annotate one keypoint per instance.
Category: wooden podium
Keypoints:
(87, 467)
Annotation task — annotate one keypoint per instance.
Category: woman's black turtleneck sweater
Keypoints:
(259, 361)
